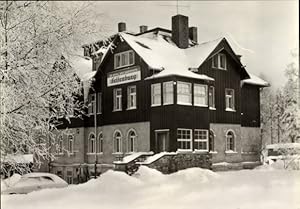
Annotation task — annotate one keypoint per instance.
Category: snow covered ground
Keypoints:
(191, 188)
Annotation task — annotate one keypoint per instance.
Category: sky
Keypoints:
(263, 32)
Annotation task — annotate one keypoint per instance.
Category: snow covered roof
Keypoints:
(199, 53)
(254, 80)
(82, 66)
(159, 52)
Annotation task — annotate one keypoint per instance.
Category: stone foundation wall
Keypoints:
(174, 162)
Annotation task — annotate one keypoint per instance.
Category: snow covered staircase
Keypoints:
(130, 163)
(165, 162)
(169, 162)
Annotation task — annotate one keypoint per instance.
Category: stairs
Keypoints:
(165, 162)
(130, 164)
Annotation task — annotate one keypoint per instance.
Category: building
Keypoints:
(162, 91)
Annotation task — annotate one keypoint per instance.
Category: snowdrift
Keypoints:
(191, 188)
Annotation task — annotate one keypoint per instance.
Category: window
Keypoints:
(124, 59)
(131, 141)
(184, 93)
(168, 92)
(117, 142)
(156, 94)
(230, 141)
(222, 61)
(91, 103)
(60, 145)
(200, 95)
(229, 99)
(211, 141)
(219, 61)
(184, 139)
(70, 177)
(211, 97)
(99, 144)
(201, 140)
(131, 101)
(215, 61)
(97, 61)
(117, 99)
(71, 143)
(99, 102)
(92, 143)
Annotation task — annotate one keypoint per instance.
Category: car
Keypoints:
(33, 182)
(287, 153)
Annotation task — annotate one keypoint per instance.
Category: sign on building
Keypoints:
(124, 76)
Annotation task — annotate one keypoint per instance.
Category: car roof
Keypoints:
(38, 174)
(41, 174)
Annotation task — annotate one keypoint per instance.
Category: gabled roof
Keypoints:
(159, 52)
(155, 30)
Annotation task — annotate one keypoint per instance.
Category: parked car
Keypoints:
(33, 182)
(288, 153)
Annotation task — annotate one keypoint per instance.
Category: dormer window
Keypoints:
(124, 59)
(219, 61)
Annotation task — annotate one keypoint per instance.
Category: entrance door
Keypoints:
(162, 140)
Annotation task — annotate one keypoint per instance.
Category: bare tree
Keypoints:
(38, 84)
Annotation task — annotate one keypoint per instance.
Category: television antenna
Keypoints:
(177, 6)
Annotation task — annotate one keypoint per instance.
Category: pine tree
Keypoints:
(291, 114)
(280, 112)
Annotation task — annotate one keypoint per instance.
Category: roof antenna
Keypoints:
(177, 6)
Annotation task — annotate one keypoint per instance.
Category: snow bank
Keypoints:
(10, 181)
(146, 175)
(187, 189)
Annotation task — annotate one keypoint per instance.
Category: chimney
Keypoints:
(143, 28)
(121, 26)
(193, 34)
(180, 31)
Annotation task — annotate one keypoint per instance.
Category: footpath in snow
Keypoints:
(187, 189)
